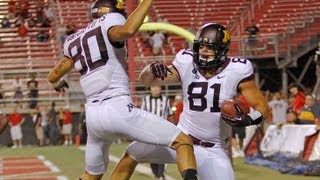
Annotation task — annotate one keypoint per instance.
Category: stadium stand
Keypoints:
(281, 22)
(191, 14)
(294, 20)
(72, 12)
(24, 56)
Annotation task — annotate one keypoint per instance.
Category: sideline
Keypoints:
(140, 168)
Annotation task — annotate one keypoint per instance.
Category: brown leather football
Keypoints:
(228, 107)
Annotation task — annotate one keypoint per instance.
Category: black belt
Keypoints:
(199, 142)
(95, 101)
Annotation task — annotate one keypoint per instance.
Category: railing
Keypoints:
(266, 46)
(289, 45)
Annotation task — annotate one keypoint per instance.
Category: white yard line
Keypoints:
(49, 164)
(62, 178)
(140, 168)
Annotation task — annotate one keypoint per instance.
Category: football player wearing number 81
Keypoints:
(99, 53)
(208, 77)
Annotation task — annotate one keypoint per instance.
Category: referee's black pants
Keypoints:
(157, 169)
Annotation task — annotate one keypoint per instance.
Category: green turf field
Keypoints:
(70, 161)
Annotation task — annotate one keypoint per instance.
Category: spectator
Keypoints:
(18, 94)
(23, 31)
(292, 117)
(24, 8)
(49, 12)
(5, 22)
(146, 38)
(53, 124)
(11, 9)
(298, 97)
(2, 93)
(45, 22)
(15, 121)
(252, 31)
(37, 120)
(42, 21)
(317, 60)
(32, 22)
(160, 105)
(44, 124)
(278, 107)
(33, 91)
(157, 42)
(82, 127)
(62, 34)
(39, 19)
(309, 113)
(67, 125)
(70, 29)
(42, 36)
(39, 11)
(60, 124)
(17, 85)
(19, 21)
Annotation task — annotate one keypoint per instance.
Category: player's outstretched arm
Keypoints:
(151, 76)
(58, 71)
(133, 23)
(254, 97)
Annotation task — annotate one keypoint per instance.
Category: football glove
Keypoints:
(241, 119)
(159, 70)
(60, 86)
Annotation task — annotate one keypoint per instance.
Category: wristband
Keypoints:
(256, 117)
(56, 83)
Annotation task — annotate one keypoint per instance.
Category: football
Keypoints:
(228, 108)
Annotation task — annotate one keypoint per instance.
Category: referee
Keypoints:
(159, 105)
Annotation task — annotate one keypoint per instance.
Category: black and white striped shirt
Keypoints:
(157, 105)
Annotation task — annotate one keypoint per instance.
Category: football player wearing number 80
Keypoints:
(99, 53)
(208, 77)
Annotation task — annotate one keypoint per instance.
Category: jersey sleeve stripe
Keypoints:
(249, 78)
